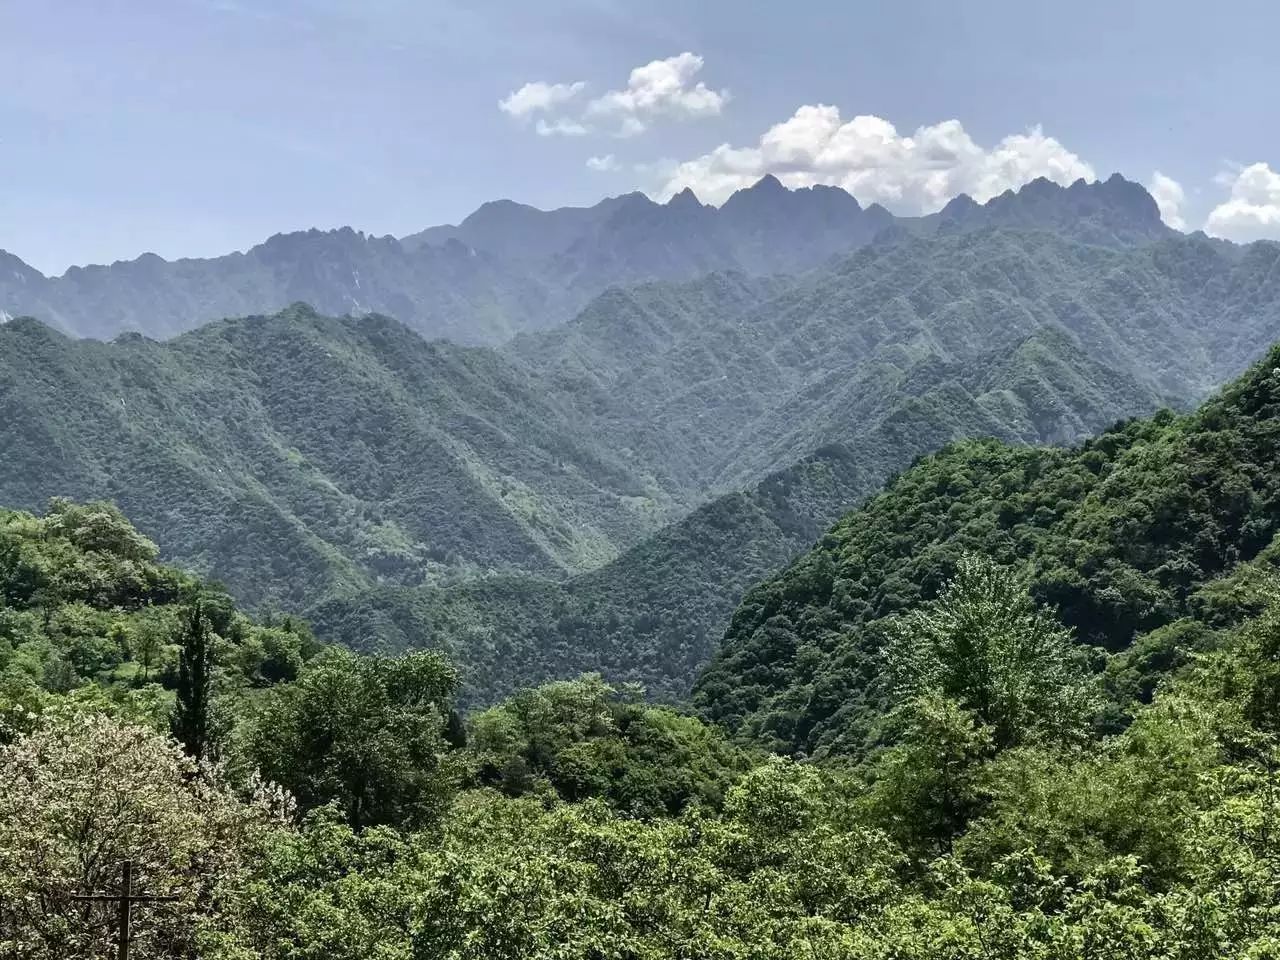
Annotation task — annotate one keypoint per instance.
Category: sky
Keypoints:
(198, 127)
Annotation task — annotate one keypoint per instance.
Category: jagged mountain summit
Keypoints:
(509, 268)
(1114, 212)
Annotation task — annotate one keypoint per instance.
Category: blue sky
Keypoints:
(195, 127)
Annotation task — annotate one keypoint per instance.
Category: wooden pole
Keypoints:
(126, 909)
(124, 900)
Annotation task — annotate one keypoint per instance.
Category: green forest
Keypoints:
(1021, 704)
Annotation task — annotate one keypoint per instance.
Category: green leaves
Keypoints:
(1150, 522)
(986, 646)
(192, 710)
(366, 733)
(584, 739)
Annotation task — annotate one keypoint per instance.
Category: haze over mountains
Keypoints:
(510, 268)
(599, 495)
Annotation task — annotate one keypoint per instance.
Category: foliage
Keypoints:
(84, 792)
(513, 878)
(929, 785)
(1156, 842)
(191, 724)
(87, 611)
(984, 645)
(584, 739)
(365, 733)
(1153, 844)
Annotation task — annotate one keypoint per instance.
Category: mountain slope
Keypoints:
(362, 459)
(654, 615)
(327, 453)
(1116, 212)
(445, 291)
(729, 379)
(1121, 536)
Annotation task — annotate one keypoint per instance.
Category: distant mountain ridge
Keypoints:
(1113, 212)
(510, 268)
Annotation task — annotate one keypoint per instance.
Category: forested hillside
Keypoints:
(88, 612)
(293, 455)
(655, 614)
(727, 390)
(1143, 540)
(412, 492)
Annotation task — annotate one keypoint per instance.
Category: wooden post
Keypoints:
(125, 900)
(126, 909)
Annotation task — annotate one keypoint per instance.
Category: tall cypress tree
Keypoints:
(190, 721)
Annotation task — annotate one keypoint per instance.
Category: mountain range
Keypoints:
(600, 494)
(1021, 701)
(509, 268)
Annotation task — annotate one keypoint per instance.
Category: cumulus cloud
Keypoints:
(604, 164)
(1169, 197)
(661, 88)
(867, 156)
(539, 97)
(1252, 211)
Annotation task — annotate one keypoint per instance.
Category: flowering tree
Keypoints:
(84, 792)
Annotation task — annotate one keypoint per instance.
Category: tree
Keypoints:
(928, 787)
(146, 643)
(986, 645)
(584, 738)
(191, 719)
(82, 793)
(364, 732)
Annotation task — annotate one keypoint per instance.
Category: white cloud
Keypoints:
(561, 126)
(605, 164)
(868, 157)
(631, 126)
(1169, 197)
(1252, 211)
(660, 88)
(539, 97)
